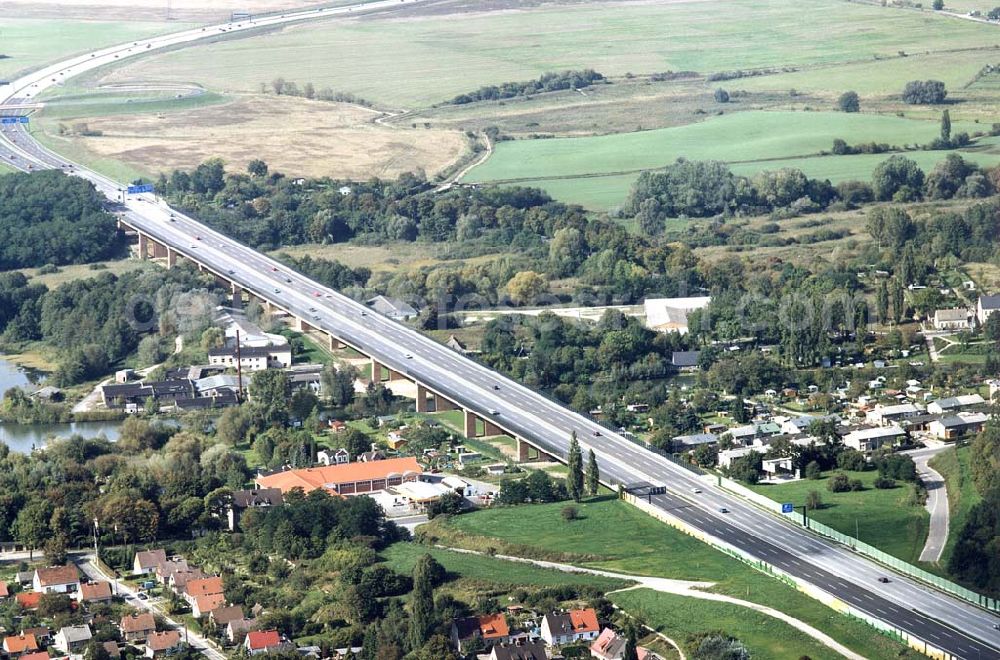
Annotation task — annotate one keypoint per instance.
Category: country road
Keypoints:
(937, 502)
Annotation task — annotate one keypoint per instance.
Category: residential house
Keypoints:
(952, 319)
(221, 616)
(167, 568)
(986, 306)
(336, 425)
(346, 479)
(951, 427)
(249, 499)
(94, 592)
(4, 591)
(490, 628)
(24, 578)
(56, 579)
(525, 650)
(28, 600)
(609, 645)
(72, 639)
(263, 641)
(178, 579)
(568, 627)
(113, 650)
(137, 627)
(239, 627)
(872, 438)
(950, 404)
(202, 587)
(36, 655)
(146, 561)
(42, 634)
(392, 307)
(203, 605)
(17, 645)
(886, 415)
(685, 360)
(686, 442)
(162, 643)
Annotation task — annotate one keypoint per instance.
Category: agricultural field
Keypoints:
(139, 10)
(650, 548)
(435, 57)
(332, 139)
(891, 520)
(28, 43)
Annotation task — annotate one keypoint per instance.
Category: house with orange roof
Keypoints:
(203, 605)
(94, 592)
(17, 645)
(4, 591)
(138, 626)
(37, 655)
(202, 587)
(491, 628)
(568, 627)
(345, 479)
(28, 600)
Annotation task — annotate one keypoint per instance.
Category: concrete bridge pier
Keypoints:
(442, 404)
(237, 292)
(527, 453)
(171, 257)
(143, 247)
(471, 427)
(421, 399)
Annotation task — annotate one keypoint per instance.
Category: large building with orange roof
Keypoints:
(347, 478)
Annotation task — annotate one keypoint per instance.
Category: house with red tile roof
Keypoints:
(56, 579)
(16, 645)
(263, 641)
(28, 599)
(4, 591)
(568, 627)
(345, 479)
(94, 592)
(609, 645)
(491, 628)
(37, 655)
(162, 643)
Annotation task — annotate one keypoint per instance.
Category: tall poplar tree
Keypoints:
(593, 474)
(574, 481)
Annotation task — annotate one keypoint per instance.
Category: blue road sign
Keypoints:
(23, 120)
(786, 507)
(145, 188)
(8, 120)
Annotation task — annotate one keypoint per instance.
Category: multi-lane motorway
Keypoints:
(946, 623)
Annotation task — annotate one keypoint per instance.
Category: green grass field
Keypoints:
(30, 43)
(734, 138)
(962, 495)
(401, 557)
(439, 55)
(644, 546)
(681, 618)
(882, 518)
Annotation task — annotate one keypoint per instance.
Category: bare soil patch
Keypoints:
(294, 136)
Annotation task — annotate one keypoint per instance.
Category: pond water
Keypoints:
(14, 375)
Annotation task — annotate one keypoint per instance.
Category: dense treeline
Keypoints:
(50, 218)
(704, 189)
(267, 210)
(547, 82)
(976, 557)
(93, 324)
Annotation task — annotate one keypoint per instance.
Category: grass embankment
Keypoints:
(614, 536)
(953, 465)
(891, 520)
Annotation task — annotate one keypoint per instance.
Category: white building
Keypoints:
(986, 306)
(886, 415)
(950, 427)
(869, 439)
(252, 358)
(56, 579)
(952, 319)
